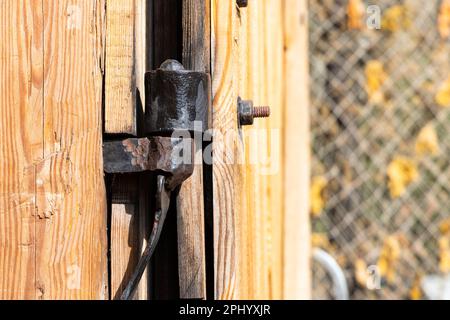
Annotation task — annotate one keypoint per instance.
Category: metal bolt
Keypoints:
(247, 112)
(242, 3)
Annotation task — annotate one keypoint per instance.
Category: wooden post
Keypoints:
(190, 202)
(261, 174)
(227, 173)
(297, 243)
(124, 100)
(52, 196)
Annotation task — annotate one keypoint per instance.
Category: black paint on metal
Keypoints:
(176, 99)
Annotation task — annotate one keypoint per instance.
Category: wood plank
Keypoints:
(71, 261)
(21, 107)
(124, 101)
(261, 71)
(125, 249)
(271, 166)
(297, 277)
(120, 77)
(190, 201)
(227, 172)
(249, 52)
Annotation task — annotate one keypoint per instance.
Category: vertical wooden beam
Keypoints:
(228, 152)
(124, 237)
(21, 110)
(190, 202)
(124, 100)
(296, 152)
(261, 80)
(120, 81)
(70, 194)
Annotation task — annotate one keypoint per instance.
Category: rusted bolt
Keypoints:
(242, 3)
(247, 112)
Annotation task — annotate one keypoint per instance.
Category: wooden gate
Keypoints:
(73, 74)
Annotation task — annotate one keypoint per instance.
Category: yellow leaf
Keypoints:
(416, 291)
(317, 198)
(395, 18)
(444, 19)
(443, 95)
(361, 274)
(401, 173)
(355, 13)
(444, 227)
(375, 78)
(383, 266)
(389, 255)
(427, 141)
(444, 254)
(320, 240)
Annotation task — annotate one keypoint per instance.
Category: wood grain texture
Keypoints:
(190, 202)
(124, 231)
(53, 213)
(124, 93)
(120, 77)
(297, 244)
(257, 201)
(21, 110)
(230, 281)
(260, 79)
(70, 192)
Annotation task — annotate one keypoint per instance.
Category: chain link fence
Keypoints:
(381, 144)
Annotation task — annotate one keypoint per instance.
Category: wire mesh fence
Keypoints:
(380, 94)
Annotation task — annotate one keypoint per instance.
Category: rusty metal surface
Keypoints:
(173, 157)
(176, 98)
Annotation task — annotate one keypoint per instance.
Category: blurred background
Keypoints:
(380, 192)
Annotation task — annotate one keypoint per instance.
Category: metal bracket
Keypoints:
(178, 101)
(172, 157)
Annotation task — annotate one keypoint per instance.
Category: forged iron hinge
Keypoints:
(178, 102)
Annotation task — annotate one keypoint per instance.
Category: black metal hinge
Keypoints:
(178, 103)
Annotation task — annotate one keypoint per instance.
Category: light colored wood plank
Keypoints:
(122, 245)
(124, 92)
(297, 244)
(71, 260)
(190, 202)
(261, 71)
(124, 239)
(21, 107)
(272, 167)
(230, 281)
(120, 77)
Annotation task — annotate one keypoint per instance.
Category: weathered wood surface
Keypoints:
(52, 196)
(124, 237)
(261, 71)
(125, 62)
(230, 280)
(190, 201)
(120, 77)
(296, 163)
(257, 200)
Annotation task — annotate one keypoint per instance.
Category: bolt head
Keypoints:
(242, 3)
(245, 112)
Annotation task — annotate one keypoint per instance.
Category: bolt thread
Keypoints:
(261, 112)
